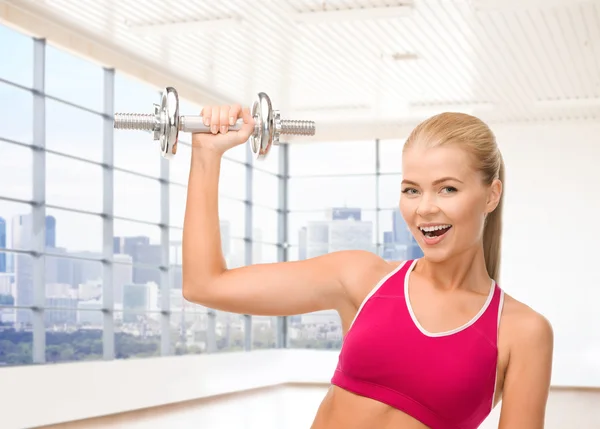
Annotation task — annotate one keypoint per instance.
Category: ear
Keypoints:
(494, 195)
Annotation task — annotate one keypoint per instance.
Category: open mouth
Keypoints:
(435, 231)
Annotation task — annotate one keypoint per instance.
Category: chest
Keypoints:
(386, 347)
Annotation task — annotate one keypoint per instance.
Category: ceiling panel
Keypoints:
(391, 61)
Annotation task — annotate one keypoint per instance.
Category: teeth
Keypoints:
(434, 228)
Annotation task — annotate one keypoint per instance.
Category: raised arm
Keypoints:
(282, 288)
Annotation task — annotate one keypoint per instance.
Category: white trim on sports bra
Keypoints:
(452, 331)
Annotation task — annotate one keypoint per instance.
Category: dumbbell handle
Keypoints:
(195, 124)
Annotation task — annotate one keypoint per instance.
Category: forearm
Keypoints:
(202, 252)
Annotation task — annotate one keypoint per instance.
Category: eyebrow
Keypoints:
(435, 182)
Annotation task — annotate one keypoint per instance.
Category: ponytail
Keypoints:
(492, 234)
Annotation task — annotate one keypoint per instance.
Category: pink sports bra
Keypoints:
(445, 380)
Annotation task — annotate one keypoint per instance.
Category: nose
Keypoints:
(427, 206)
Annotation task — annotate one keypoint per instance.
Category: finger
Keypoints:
(224, 119)
(214, 120)
(234, 113)
(248, 127)
(206, 113)
(247, 116)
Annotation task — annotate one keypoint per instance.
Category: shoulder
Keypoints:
(360, 270)
(528, 330)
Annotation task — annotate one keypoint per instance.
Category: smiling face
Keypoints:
(444, 200)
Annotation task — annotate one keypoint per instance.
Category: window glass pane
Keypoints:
(229, 332)
(176, 280)
(16, 111)
(136, 197)
(72, 335)
(351, 157)
(264, 253)
(390, 155)
(398, 243)
(133, 95)
(268, 163)
(234, 251)
(264, 224)
(177, 205)
(22, 237)
(232, 217)
(128, 235)
(73, 233)
(15, 221)
(136, 150)
(189, 332)
(232, 181)
(73, 316)
(74, 79)
(318, 330)
(389, 190)
(8, 285)
(72, 279)
(137, 333)
(73, 131)
(16, 338)
(325, 192)
(73, 184)
(16, 171)
(8, 293)
(19, 48)
(238, 153)
(317, 234)
(135, 244)
(179, 166)
(175, 250)
(264, 332)
(23, 289)
(265, 189)
(293, 253)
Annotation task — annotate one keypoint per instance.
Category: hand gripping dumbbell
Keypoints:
(165, 124)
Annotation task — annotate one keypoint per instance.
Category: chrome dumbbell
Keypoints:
(166, 123)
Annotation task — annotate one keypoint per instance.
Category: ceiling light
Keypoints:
(358, 14)
(568, 103)
(399, 56)
(186, 27)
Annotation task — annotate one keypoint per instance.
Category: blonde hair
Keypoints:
(475, 136)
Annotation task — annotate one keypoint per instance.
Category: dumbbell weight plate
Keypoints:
(168, 132)
(262, 112)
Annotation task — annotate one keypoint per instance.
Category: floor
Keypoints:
(293, 407)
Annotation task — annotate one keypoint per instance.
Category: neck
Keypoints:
(463, 271)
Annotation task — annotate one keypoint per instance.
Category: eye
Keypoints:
(409, 191)
(449, 189)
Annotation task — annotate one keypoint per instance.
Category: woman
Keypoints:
(432, 343)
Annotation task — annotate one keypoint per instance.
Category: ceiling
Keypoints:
(359, 68)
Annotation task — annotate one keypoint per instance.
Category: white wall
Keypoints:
(551, 243)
